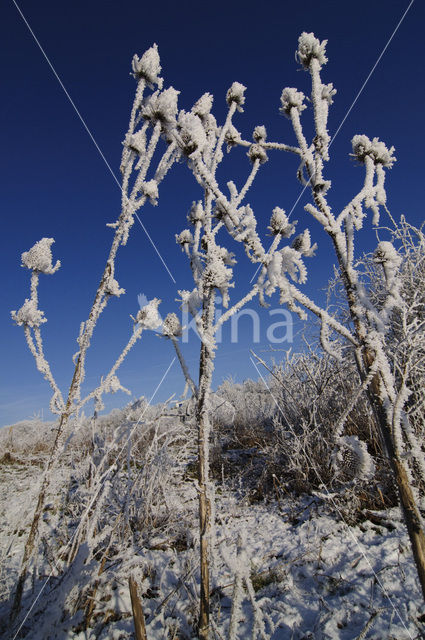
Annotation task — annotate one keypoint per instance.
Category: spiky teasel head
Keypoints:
(39, 258)
(171, 326)
(148, 67)
(310, 47)
(375, 148)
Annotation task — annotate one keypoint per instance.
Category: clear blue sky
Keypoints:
(55, 184)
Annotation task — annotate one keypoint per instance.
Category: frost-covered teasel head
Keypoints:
(236, 94)
(136, 142)
(192, 133)
(148, 316)
(184, 239)
(39, 257)
(259, 134)
(232, 137)
(161, 106)
(257, 152)
(171, 326)
(203, 106)
(376, 149)
(196, 213)
(310, 47)
(328, 92)
(280, 225)
(290, 98)
(302, 244)
(150, 190)
(385, 252)
(113, 289)
(29, 315)
(148, 67)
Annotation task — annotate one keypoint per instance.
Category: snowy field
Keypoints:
(290, 568)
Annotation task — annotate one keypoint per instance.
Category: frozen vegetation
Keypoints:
(290, 507)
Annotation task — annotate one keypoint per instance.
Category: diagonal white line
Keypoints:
(154, 246)
(348, 111)
(111, 171)
(69, 543)
(371, 72)
(356, 540)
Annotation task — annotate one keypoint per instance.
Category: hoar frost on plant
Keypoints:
(148, 67)
(374, 148)
(236, 94)
(171, 326)
(280, 225)
(150, 190)
(29, 314)
(161, 106)
(39, 257)
(148, 316)
(310, 47)
(192, 133)
(291, 98)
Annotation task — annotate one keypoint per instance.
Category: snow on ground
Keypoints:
(313, 577)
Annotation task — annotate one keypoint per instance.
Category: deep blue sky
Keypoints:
(55, 184)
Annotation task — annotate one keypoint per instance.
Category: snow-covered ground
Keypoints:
(292, 568)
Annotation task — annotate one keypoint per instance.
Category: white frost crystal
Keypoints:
(39, 257)
(236, 94)
(291, 97)
(310, 47)
(148, 66)
(148, 315)
(29, 314)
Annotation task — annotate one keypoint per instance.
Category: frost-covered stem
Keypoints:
(220, 141)
(42, 364)
(366, 189)
(237, 595)
(166, 162)
(137, 333)
(378, 398)
(35, 276)
(153, 142)
(280, 146)
(235, 308)
(305, 152)
(206, 365)
(322, 314)
(248, 183)
(187, 376)
(275, 146)
(57, 398)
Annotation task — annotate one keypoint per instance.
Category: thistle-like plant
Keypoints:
(140, 181)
